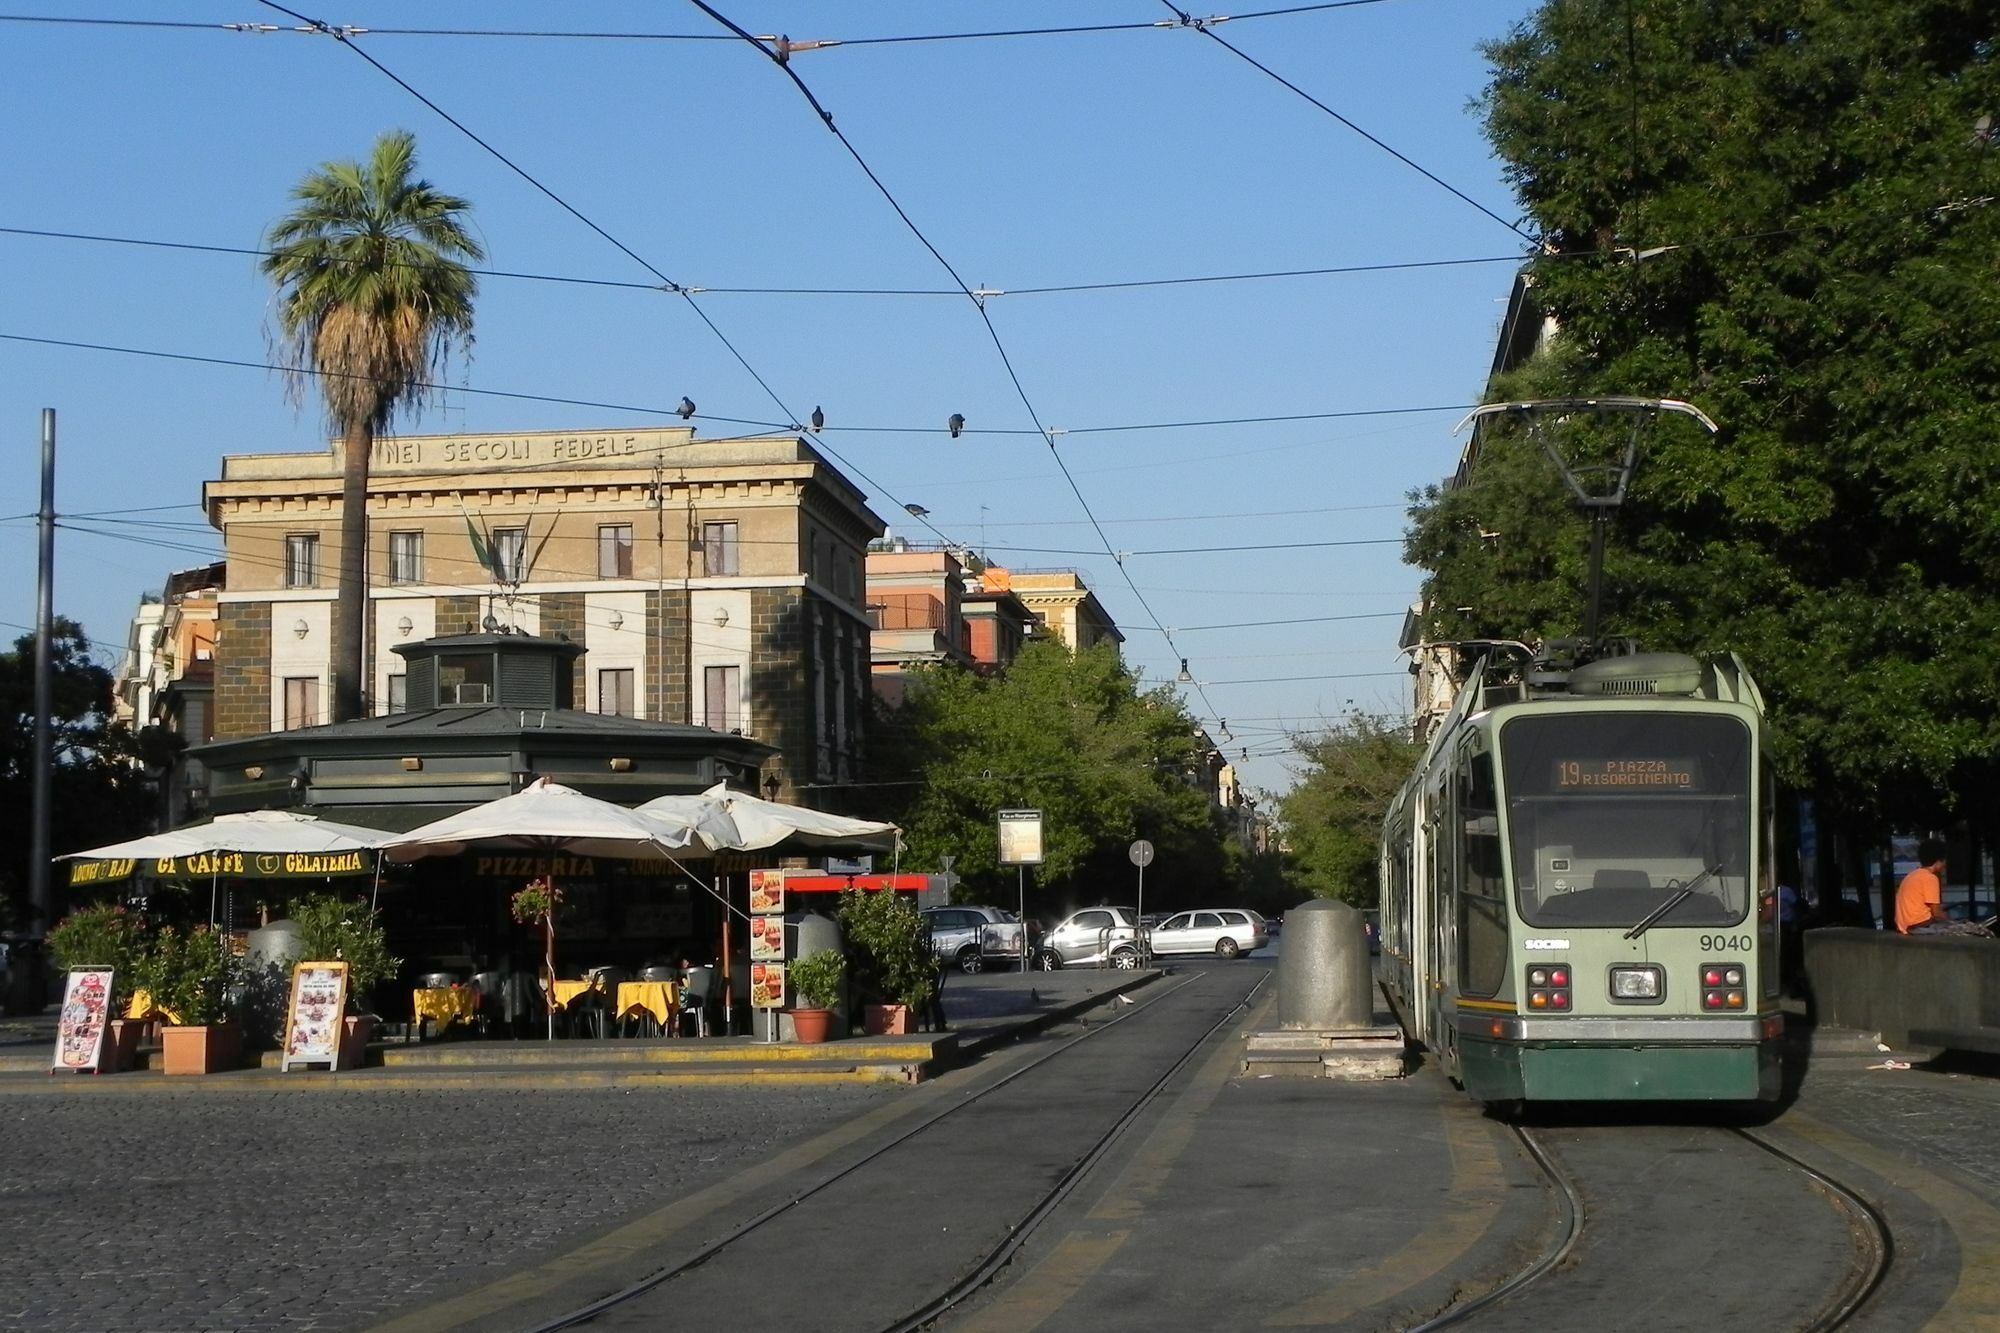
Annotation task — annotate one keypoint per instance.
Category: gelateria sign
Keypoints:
(226, 865)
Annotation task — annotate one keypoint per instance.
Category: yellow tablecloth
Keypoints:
(141, 1007)
(653, 997)
(444, 1007)
(567, 992)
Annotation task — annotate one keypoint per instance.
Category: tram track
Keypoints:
(985, 1266)
(1864, 1272)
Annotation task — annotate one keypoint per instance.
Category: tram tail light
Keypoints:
(1722, 989)
(1548, 988)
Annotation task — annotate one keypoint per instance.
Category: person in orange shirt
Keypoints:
(1920, 897)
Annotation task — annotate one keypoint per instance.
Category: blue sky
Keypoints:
(1028, 161)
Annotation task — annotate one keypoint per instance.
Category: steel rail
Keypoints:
(1018, 1235)
(1868, 1276)
(1568, 1233)
(652, 1281)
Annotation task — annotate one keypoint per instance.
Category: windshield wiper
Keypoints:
(1671, 903)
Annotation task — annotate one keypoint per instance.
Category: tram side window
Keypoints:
(1482, 896)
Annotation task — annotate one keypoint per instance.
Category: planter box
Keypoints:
(357, 1030)
(200, 1050)
(121, 1044)
(886, 1020)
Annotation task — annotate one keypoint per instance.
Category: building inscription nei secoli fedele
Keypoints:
(460, 450)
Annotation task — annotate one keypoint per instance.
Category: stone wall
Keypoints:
(458, 615)
(243, 669)
(562, 616)
(667, 655)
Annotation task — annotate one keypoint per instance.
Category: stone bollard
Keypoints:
(1326, 979)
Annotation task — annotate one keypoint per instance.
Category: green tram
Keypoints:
(1578, 897)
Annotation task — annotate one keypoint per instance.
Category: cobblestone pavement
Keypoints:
(202, 1210)
(1941, 1118)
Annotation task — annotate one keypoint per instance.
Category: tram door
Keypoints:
(1441, 937)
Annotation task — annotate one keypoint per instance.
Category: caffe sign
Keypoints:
(223, 865)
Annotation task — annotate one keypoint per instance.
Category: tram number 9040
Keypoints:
(1727, 944)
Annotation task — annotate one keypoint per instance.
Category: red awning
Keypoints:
(837, 883)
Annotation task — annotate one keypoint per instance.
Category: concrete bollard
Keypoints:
(1326, 980)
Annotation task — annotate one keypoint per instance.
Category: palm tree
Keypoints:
(373, 299)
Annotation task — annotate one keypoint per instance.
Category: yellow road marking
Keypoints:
(1056, 1279)
(1975, 1297)
(1476, 1187)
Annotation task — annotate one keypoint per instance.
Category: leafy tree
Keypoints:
(1070, 735)
(373, 299)
(1782, 212)
(100, 791)
(1333, 817)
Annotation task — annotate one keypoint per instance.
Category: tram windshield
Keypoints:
(1613, 815)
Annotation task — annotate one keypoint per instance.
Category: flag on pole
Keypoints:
(482, 550)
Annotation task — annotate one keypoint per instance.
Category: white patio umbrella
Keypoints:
(548, 817)
(267, 843)
(760, 824)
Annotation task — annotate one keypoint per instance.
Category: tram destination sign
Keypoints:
(1628, 775)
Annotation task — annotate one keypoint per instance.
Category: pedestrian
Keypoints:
(1920, 897)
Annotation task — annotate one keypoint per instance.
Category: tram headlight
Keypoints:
(1636, 983)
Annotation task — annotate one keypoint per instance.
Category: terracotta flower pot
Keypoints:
(357, 1030)
(200, 1050)
(811, 1024)
(121, 1044)
(885, 1020)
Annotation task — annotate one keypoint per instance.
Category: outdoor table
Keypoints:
(568, 992)
(656, 998)
(443, 1006)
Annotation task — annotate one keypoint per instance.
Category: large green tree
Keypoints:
(1333, 816)
(374, 298)
(101, 790)
(1068, 734)
(1783, 212)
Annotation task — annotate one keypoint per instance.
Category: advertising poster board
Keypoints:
(313, 1017)
(86, 1007)
(1020, 837)
(767, 891)
(767, 985)
(767, 939)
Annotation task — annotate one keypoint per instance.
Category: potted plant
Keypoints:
(189, 973)
(894, 964)
(817, 978)
(98, 937)
(537, 904)
(330, 930)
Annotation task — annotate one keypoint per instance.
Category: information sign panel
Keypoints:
(1020, 837)
(767, 985)
(767, 891)
(767, 939)
(80, 1026)
(313, 1017)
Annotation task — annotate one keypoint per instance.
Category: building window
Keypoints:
(302, 560)
(615, 691)
(722, 698)
(718, 548)
(406, 557)
(465, 678)
(301, 702)
(510, 554)
(399, 693)
(614, 551)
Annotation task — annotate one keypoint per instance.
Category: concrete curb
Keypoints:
(781, 1066)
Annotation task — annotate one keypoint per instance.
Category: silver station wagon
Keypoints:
(1226, 932)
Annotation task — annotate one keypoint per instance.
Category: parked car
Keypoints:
(1227, 932)
(975, 937)
(1095, 935)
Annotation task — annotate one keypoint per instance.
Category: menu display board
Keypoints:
(80, 1031)
(767, 985)
(767, 939)
(767, 891)
(313, 1018)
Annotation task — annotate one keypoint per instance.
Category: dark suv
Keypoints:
(973, 937)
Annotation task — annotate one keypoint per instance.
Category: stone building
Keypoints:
(711, 583)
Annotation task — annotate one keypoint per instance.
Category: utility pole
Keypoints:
(39, 899)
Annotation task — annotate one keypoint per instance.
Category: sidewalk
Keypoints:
(982, 1012)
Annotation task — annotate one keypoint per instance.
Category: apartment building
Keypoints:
(716, 583)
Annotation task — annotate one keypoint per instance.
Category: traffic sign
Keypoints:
(1141, 853)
